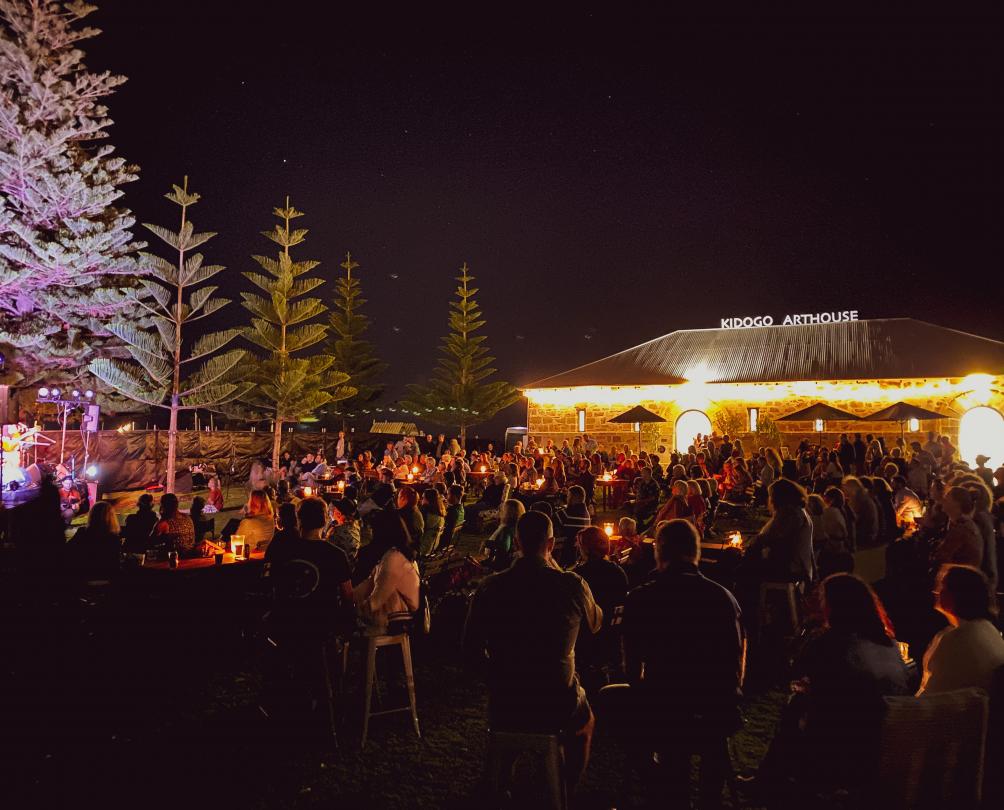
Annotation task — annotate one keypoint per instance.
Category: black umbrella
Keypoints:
(639, 414)
(903, 412)
(819, 411)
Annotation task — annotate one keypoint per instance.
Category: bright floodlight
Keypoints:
(89, 394)
(43, 392)
(92, 470)
(75, 394)
(54, 392)
(981, 433)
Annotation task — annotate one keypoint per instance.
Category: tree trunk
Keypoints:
(4, 404)
(463, 437)
(172, 444)
(276, 443)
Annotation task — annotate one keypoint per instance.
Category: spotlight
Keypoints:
(89, 394)
(75, 394)
(54, 392)
(43, 392)
(92, 471)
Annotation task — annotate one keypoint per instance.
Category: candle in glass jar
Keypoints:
(308, 491)
(608, 529)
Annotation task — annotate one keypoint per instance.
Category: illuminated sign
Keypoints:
(790, 320)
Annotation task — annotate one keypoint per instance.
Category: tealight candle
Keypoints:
(411, 476)
(341, 486)
(608, 529)
(540, 483)
(308, 491)
(484, 468)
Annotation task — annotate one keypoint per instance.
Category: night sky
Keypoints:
(608, 179)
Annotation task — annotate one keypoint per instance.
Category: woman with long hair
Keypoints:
(407, 508)
(783, 549)
(258, 525)
(94, 550)
(393, 584)
(829, 732)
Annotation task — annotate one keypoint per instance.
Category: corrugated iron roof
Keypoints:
(888, 349)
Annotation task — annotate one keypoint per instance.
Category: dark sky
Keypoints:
(608, 178)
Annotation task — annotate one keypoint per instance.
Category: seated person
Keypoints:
(501, 546)
(393, 584)
(69, 500)
(329, 607)
(684, 658)
(93, 553)
(636, 557)
(646, 500)
(570, 520)
(970, 649)
(595, 655)
(454, 515)
(258, 525)
(139, 526)
(828, 737)
(521, 631)
(491, 498)
(676, 508)
(175, 528)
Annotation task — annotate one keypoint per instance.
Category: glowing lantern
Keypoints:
(341, 486)
(608, 529)
(540, 483)
(308, 491)
(484, 468)
(736, 540)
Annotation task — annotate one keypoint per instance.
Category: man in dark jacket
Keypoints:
(684, 656)
(521, 633)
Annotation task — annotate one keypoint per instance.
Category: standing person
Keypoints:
(860, 456)
(174, 527)
(970, 649)
(684, 657)
(596, 655)
(845, 451)
(215, 494)
(342, 448)
(521, 632)
(865, 511)
(783, 549)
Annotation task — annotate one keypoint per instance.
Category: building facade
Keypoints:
(741, 381)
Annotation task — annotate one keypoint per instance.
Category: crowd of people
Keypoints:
(571, 617)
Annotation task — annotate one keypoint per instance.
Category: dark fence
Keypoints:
(134, 459)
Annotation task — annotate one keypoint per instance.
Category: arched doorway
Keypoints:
(688, 425)
(981, 432)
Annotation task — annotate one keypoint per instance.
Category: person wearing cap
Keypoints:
(343, 531)
(983, 471)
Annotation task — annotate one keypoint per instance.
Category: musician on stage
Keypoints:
(69, 500)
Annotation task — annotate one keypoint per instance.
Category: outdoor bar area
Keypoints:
(743, 380)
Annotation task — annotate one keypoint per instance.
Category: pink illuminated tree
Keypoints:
(66, 246)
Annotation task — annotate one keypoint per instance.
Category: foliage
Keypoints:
(173, 296)
(283, 322)
(66, 249)
(353, 355)
(767, 432)
(457, 392)
(729, 422)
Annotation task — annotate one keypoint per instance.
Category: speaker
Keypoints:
(34, 474)
(91, 418)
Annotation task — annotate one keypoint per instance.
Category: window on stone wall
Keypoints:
(580, 420)
(754, 419)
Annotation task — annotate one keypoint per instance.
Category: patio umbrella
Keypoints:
(903, 412)
(819, 411)
(639, 414)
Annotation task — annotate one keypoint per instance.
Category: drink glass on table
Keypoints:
(172, 559)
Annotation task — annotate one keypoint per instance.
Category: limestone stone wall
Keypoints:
(553, 414)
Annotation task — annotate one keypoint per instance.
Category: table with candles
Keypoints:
(612, 489)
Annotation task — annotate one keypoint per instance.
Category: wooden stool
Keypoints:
(791, 591)
(397, 639)
(505, 746)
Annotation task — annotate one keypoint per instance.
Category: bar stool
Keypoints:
(505, 746)
(790, 589)
(399, 626)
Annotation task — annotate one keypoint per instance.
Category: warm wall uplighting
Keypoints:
(580, 420)
(981, 432)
